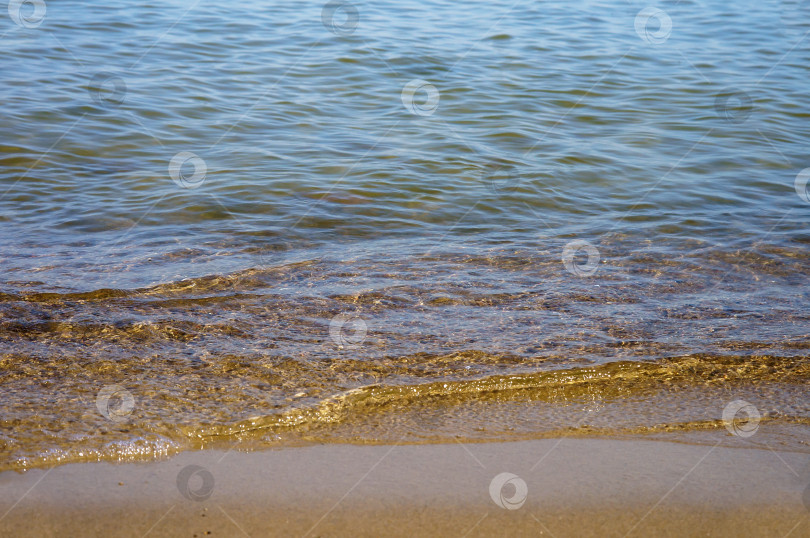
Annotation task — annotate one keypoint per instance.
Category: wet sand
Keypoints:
(574, 487)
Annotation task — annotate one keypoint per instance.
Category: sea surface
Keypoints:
(256, 224)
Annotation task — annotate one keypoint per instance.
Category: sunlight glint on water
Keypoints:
(284, 223)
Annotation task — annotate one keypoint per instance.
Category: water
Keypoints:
(256, 224)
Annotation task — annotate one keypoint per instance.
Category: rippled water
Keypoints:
(289, 222)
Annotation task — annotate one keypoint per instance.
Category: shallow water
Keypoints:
(232, 223)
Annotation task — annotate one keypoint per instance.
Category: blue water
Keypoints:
(216, 182)
(554, 120)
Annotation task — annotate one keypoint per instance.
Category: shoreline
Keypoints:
(573, 486)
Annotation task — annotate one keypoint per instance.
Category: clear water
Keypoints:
(570, 185)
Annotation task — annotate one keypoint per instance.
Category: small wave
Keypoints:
(681, 394)
(625, 379)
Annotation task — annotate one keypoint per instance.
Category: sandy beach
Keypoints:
(404, 268)
(573, 487)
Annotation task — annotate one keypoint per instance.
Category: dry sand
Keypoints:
(574, 487)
